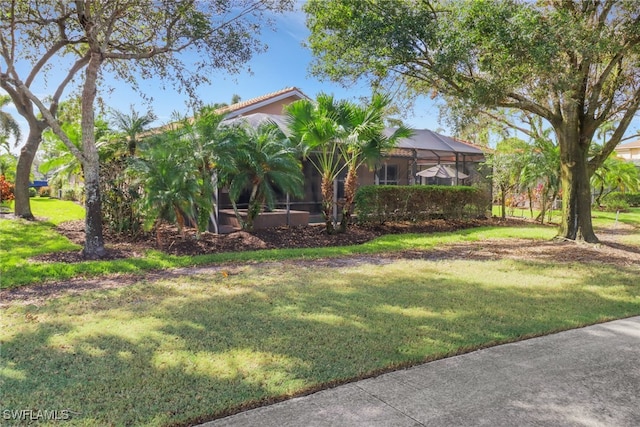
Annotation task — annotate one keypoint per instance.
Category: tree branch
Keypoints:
(615, 139)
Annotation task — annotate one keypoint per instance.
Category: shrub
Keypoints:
(33, 192)
(44, 192)
(615, 201)
(73, 194)
(633, 199)
(6, 190)
(382, 203)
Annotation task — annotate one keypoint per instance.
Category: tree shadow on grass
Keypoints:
(166, 355)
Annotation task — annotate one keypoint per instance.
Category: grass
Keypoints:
(184, 350)
(172, 352)
(23, 240)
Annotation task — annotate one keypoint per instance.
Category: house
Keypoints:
(399, 167)
(629, 151)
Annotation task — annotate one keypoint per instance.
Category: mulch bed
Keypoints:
(609, 251)
(311, 236)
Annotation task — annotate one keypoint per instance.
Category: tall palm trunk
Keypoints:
(350, 187)
(326, 188)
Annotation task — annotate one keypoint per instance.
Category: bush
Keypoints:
(6, 190)
(44, 192)
(614, 202)
(33, 192)
(382, 203)
(73, 194)
(633, 199)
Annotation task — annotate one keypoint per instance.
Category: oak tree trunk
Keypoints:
(22, 206)
(576, 190)
(94, 241)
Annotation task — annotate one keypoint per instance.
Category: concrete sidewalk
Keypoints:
(583, 377)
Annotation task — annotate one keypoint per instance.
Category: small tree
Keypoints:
(265, 164)
(506, 164)
(8, 125)
(364, 141)
(316, 130)
(167, 169)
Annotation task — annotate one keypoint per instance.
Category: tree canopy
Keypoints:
(575, 64)
(131, 39)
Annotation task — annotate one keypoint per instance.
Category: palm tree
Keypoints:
(132, 125)
(63, 166)
(615, 174)
(364, 141)
(316, 130)
(8, 125)
(167, 169)
(265, 164)
(209, 143)
(8, 166)
(541, 169)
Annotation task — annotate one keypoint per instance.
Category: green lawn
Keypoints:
(186, 349)
(22, 240)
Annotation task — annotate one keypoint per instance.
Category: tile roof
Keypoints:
(628, 145)
(260, 100)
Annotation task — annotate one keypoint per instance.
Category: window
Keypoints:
(387, 174)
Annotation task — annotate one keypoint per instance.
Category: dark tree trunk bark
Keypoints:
(94, 241)
(576, 190)
(22, 206)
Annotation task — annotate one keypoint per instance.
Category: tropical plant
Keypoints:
(615, 175)
(119, 190)
(265, 164)
(59, 164)
(364, 140)
(540, 173)
(131, 125)
(171, 189)
(213, 147)
(8, 166)
(8, 125)
(506, 164)
(316, 130)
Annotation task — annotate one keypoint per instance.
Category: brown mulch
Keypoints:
(312, 236)
(609, 251)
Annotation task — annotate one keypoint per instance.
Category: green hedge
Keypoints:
(633, 199)
(382, 203)
(617, 201)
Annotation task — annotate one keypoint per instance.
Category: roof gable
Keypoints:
(262, 102)
(628, 145)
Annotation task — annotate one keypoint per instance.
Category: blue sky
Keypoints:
(285, 64)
